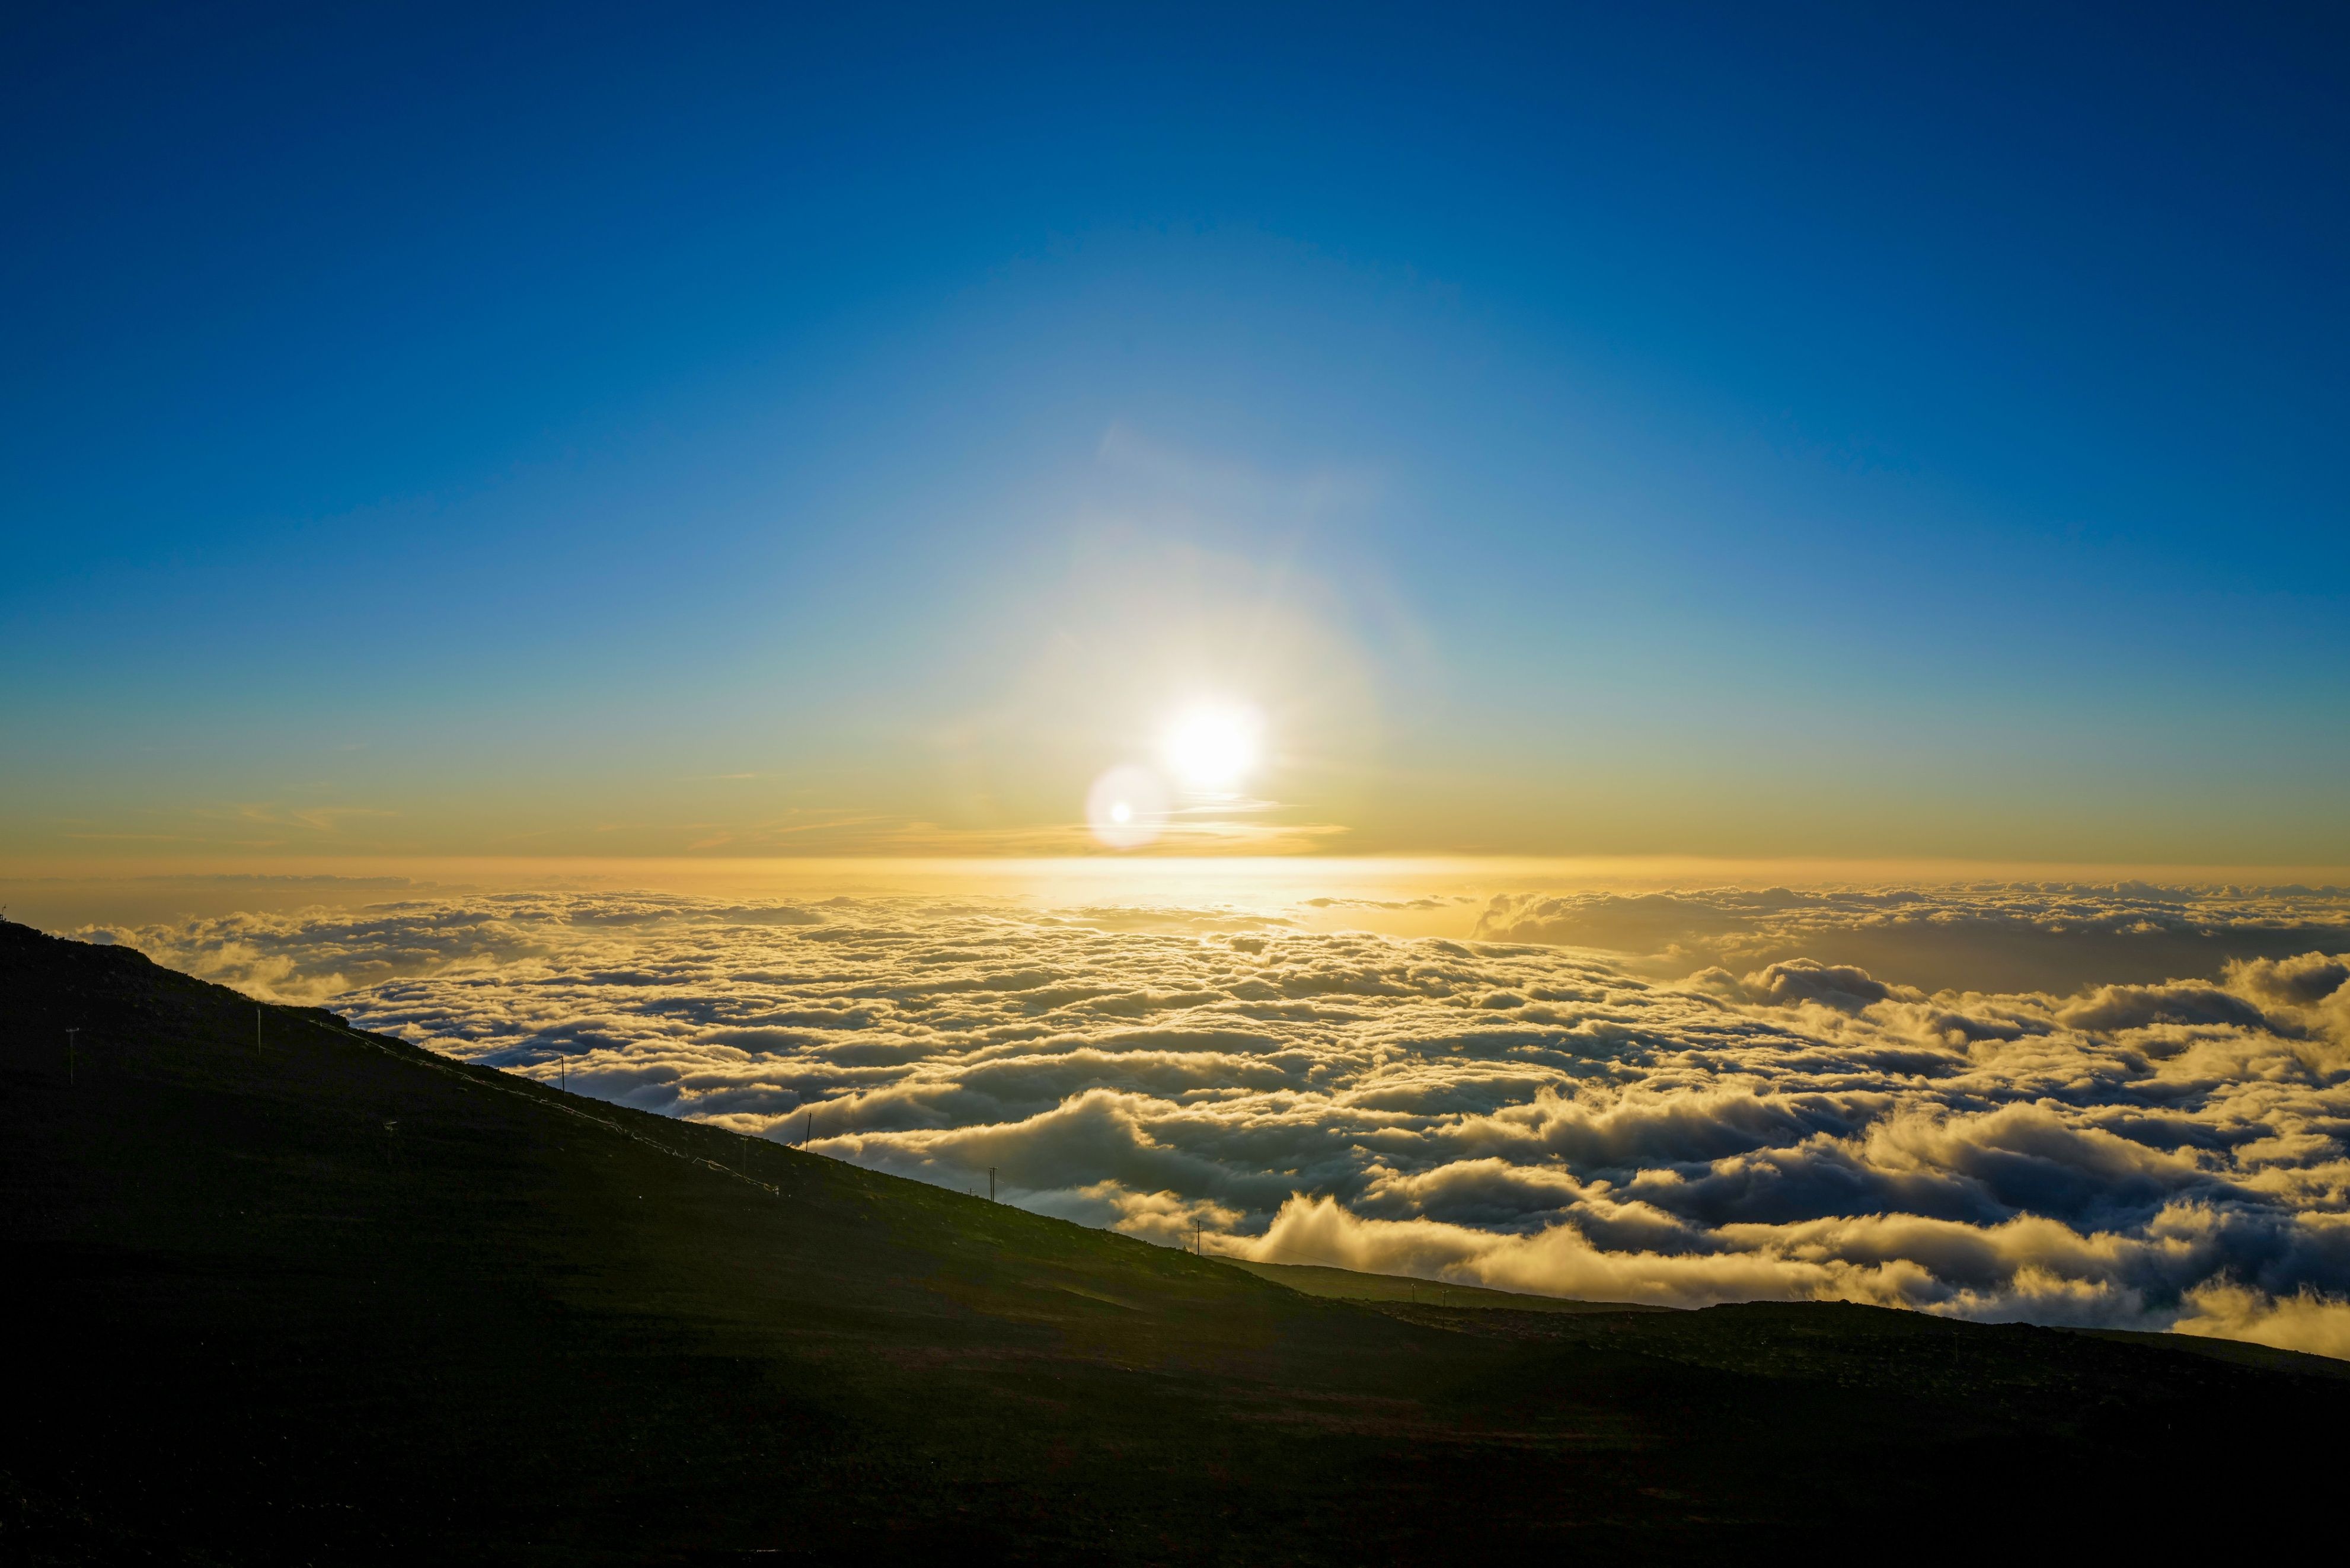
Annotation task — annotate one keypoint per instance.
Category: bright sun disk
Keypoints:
(1211, 747)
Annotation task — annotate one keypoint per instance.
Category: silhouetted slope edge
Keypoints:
(293, 1293)
(1350, 1284)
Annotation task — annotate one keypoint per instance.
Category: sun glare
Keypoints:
(1213, 746)
(1127, 807)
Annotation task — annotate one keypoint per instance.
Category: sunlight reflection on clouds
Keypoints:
(2148, 1155)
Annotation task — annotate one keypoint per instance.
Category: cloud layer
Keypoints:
(2166, 1153)
(2010, 936)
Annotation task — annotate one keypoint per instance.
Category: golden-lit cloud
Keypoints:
(2174, 1153)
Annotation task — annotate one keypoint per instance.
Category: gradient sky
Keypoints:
(1630, 429)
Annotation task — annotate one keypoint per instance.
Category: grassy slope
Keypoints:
(1348, 1286)
(258, 1326)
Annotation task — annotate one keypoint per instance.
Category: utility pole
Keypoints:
(808, 1129)
(256, 1033)
(69, 1053)
(990, 1184)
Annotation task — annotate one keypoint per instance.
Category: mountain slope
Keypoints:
(291, 1294)
(1347, 1286)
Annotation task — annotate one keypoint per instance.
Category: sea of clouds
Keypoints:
(1647, 1124)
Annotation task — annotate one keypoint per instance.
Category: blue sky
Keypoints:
(1681, 430)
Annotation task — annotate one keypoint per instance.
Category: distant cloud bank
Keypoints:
(1758, 1105)
(2002, 937)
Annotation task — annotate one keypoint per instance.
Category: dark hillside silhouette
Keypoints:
(280, 1292)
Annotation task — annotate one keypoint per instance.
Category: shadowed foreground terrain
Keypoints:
(1347, 1286)
(295, 1294)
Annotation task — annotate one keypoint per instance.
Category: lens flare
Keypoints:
(1127, 807)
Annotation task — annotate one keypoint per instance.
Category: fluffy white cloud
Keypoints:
(1534, 1116)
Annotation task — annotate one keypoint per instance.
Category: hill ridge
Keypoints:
(273, 1331)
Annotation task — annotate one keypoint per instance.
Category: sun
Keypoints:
(1211, 746)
